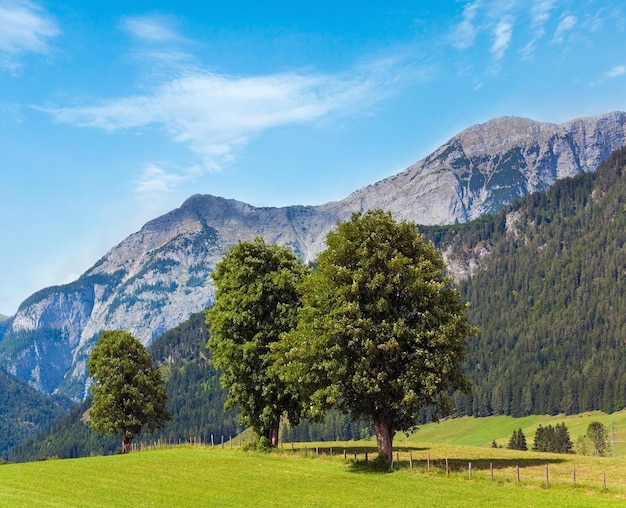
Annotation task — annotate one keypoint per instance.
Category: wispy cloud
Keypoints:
(540, 15)
(465, 32)
(155, 183)
(618, 70)
(502, 38)
(494, 18)
(615, 72)
(215, 115)
(567, 23)
(24, 28)
(153, 28)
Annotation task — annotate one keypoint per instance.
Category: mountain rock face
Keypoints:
(157, 277)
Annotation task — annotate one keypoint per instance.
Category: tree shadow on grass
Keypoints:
(378, 466)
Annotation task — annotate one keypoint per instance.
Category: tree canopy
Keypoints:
(256, 300)
(382, 332)
(518, 441)
(128, 394)
(599, 437)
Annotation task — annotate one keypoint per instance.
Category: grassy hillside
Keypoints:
(199, 476)
(482, 431)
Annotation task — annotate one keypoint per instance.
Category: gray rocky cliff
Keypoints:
(157, 277)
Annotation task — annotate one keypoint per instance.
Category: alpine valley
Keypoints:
(158, 277)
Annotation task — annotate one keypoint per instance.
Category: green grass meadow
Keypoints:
(204, 476)
(194, 476)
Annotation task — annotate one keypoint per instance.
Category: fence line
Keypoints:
(545, 472)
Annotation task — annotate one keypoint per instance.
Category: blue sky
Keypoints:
(112, 113)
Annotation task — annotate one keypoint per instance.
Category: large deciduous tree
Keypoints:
(128, 394)
(382, 333)
(256, 300)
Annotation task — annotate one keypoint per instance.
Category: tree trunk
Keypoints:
(126, 442)
(384, 440)
(273, 435)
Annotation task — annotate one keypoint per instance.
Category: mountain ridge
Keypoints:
(155, 278)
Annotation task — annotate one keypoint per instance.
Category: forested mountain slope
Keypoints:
(24, 410)
(195, 399)
(548, 292)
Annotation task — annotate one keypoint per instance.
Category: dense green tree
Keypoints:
(382, 333)
(518, 441)
(128, 394)
(563, 443)
(599, 437)
(256, 299)
(553, 439)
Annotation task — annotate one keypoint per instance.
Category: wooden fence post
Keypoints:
(428, 462)
(604, 481)
(516, 474)
(574, 475)
(547, 477)
(469, 467)
(447, 467)
(410, 460)
(491, 470)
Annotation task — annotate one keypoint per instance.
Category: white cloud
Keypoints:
(465, 32)
(502, 38)
(155, 182)
(566, 24)
(540, 15)
(618, 70)
(215, 114)
(24, 28)
(154, 29)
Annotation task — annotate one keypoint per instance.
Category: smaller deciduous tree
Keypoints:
(128, 394)
(256, 299)
(599, 437)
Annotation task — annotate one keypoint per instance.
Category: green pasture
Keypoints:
(482, 431)
(337, 474)
(194, 476)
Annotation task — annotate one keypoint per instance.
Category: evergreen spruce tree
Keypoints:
(563, 443)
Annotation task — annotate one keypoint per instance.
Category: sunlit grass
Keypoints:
(203, 476)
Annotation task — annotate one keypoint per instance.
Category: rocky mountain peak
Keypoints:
(160, 275)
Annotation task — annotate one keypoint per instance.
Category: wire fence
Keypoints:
(537, 471)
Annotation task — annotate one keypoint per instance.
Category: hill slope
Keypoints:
(548, 293)
(24, 411)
